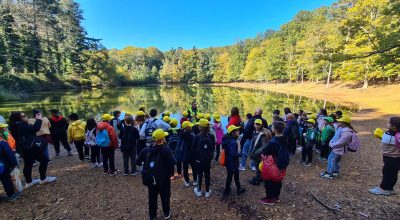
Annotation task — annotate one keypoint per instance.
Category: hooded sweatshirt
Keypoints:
(59, 125)
(232, 154)
(388, 145)
(111, 133)
(340, 141)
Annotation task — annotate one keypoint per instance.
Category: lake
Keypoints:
(211, 99)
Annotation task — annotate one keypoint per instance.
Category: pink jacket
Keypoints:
(338, 146)
(219, 133)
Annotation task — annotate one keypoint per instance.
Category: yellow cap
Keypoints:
(313, 116)
(258, 121)
(232, 128)
(2, 125)
(166, 119)
(159, 134)
(142, 106)
(207, 116)
(186, 124)
(345, 119)
(173, 122)
(203, 123)
(217, 119)
(185, 114)
(378, 133)
(216, 115)
(106, 117)
(312, 121)
(140, 113)
(167, 113)
(200, 116)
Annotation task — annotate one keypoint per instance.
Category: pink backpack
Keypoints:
(397, 139)
(354, 144)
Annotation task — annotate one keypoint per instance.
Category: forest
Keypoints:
(43, 42)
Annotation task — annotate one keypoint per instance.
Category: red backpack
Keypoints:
(270, 170)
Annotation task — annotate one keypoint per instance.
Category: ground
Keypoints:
(82, 192)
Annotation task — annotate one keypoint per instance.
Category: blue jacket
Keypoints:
(7, 157)
(231, 153)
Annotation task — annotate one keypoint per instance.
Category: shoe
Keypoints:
(114, 173)
(307, 164)
(379, 191)
(187, 184)
(82, 161)
(208, 194)
(34, 164)
(58, 155)
(242, 168)
(50, 161)
(14, 197)
(240, 191)
(134, 173)
(34, 182)
(326, 175)
(302, 162)
(253, 168)
(197, 192)
(195, 183)
(277, 200)
(126, 174)
(168, 216)
(94, 165)
(266, 201)
(254, 182)
(69, 153)
(105, 172)
(87, 157)
(100, 165)
(173, 177)
(322, 159)
(48, 179)
(216, 161)
(335, 174)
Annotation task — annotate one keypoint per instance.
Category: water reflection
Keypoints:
(211, 99)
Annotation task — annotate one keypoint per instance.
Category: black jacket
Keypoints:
(129, 136)
(273, 147)
(204, 146)
(59, 126)
(249, 129)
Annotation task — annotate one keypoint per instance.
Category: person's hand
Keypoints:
(39, 116)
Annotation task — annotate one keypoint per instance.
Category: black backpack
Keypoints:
(282, 162)
(151, 173)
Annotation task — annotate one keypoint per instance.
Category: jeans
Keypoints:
(204, 168)
(129, 155)
(272, 189)
(5, 179)
(95, 156)
(29, 158)
(235, 175)
(108, 159)
(165, 193)
(186, 170)
(64, 141)
(246, 151)
(307, 154)
(334, 162)
(79, 148)
(390, 172)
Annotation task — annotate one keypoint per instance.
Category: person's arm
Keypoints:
(121, 133)
(169, 157)
(142, 131)
(141, 157)
(9, 155)
(268, 149)
(26, 128)
(69, 134)
(343, 140)
(163, 125)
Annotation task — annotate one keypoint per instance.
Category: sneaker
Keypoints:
(307, 164)
(322, 159)
(173, 177)
(14, 197)
(253, 168)
(197, 192)
(35, 164)
(134, 173)
(100, 165)
(335, 174)
(125, 173)
(242, 168)
(216, 161)
(302, 162)
(34, 182)
(94, 165)
(82, 161)
(105, 172)
(254, 182)
(240, 191)
(326, 175)
(114, 173)
(168, 216)
(266, 201)
(69, 153)
(50, 161)
(58, 155)
(87, 157)
(379, 191)
(277, 200)
(195, 183)
(208, 194)
(48, 179)
(187, 184)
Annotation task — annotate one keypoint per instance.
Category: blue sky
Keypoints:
(186, 23)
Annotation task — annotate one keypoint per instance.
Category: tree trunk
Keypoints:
(329, 74)
(302, 75)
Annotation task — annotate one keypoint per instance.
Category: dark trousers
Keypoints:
(129, 155)
(273, 189)
(79, 148)
(204, 169)
(235, 176)
(258, 172)
(64, 141)
(95, 156)
(108, 158)
(186, 170)
(390, 171)
(178, 168)
(5, 179)
(218, 151)
(307, 154)
(292, 145)
(86, 150)
(325, 151)
(29, 158)
(164, 190)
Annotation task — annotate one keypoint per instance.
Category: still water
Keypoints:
(211, 99)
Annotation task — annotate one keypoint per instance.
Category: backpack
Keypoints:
(173, 139)
(283, 159)
(90, 138)
(354, 144)
(103, 139)
(222, 158)
(150, 128)
(78, 132)
(295, 131)
(397, 139)
(151, 173)
(270, 170)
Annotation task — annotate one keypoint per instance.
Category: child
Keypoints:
(129, 135)
(248, 117)
(219, 134)
(172, 140)
(310, 139)
(158, 161)
(58, 130)
(184, 117)
(6, 136)
(139, 121)
(231, 148)
(8, 163)
(391, 159)
(204, 146)
(76, 134)
(90, 141)
(166, 119)
(108, 142)
(327, 134)
(184, 152)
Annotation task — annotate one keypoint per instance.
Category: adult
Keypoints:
(248, 135)
(292, 132)
(150, 125)
(234, 118)
(32, 148)
(193, 111)
(44, 131)
(58, 130)
(321, 118)
(286, 111)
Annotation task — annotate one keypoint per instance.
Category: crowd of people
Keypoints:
(167, 148)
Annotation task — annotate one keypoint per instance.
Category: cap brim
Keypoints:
(3, 125)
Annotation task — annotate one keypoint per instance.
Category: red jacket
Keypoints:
(111, 133)
(234, 120)
(184, 119)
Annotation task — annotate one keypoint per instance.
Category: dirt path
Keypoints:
(82, 192)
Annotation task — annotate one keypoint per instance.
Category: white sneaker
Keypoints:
(94, 165)
(197, 192)
(379, 191)
(253, 168)
(168, 216)
(100, 165)
(242, 168)
(187, 184)
(195, 183)
(48, 179)
(208, 194)
(34, 182)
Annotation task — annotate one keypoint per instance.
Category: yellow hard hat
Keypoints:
(106, 117)
(159, 134)
(207, 116)
(173, 122)
(378, 133)
(312, 121)
(200, 116)
(3, 125)
(167, 113)
(313, 116)
(140, 113)
(203, 123)
(232, 128)
(142, 106)
(185, 114)
(186, 124)
(258, 121)
(166, 119)
(345, 119)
